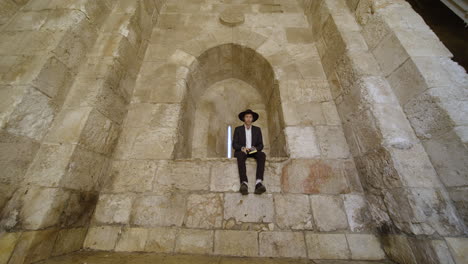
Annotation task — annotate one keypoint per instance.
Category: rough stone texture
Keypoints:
(327, 246)
(250, 208)
(102, 238)
(236, 243)
(159, 210)
(194, 241)
(328, 212)
(204, 211)
(282, 244)
(115, 122)
(293, 211)
(364, 246)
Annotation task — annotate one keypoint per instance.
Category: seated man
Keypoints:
(248, 142)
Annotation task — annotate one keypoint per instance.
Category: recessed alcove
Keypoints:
(223, 81)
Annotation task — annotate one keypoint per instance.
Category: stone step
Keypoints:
(193, 206)
(143, 258)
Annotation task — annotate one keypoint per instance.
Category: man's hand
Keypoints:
(244, 149)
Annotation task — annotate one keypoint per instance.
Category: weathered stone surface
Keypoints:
(43, 207)
(458, 248)
(132, 239)
(357, 212)
(182, 175)
(328, 212)
(293, 211)
(204, 211)
(302, 142)
(157, 210)
(313, 176)
(250, 208)
(236, 243)
(282, 244)
(131, 176)
(194, 241)
(102, 237)
(363, 246)
(69, 240)
(7, 243)
(161, 239)
(327, 246)
(34, 246)
(113, 209)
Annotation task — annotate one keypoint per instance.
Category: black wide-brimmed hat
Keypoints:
(248, 111)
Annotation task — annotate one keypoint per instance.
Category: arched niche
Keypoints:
(218, 86)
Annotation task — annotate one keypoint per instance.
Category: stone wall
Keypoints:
(396, 173)
(430, 87)
(86, 66)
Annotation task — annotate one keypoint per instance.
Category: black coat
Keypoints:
(239, 139)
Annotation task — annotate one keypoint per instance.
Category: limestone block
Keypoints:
(398, 248)
(69, 125)
(84, 170)
(328, 212)
(50, 165)
(250, 208)
(293, 211)
(365, 247)
(153, 115)
(204, 211)
(332, 142)
(155, 143)
(18, 43)
(442, 251)
(113, 209)
(62, 19)
(69, 240)
(161, 240)
(355, 65)
(79, 209)
(131, 176)
(327, 246)
(7, 244)
(330, 113)
(390, 54)
(407, 75)
(302, 142)
(27, 21)
(224, 177)
(458, 248)
(422, 211)
(236, 243)
(299, 35)
(159, 210)
(357, 212)
(132, 239)
(421, 42)
(34, 246)
(102, 237)
(187, 175)
(303, 114)
(194, 241)
(282, 244)
(42, 207)
(32, 116)
(314, 176)
(414, 167)
(7, 10)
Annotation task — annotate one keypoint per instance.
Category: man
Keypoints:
(248, 142)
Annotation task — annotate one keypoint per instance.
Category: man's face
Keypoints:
(248, 119)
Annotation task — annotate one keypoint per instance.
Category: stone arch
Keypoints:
(220, 62)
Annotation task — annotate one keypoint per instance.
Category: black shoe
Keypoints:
(244, 189)
(259, 188)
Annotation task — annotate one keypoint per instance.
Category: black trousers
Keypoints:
(242, 157)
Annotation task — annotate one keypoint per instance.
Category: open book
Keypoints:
(252, 151)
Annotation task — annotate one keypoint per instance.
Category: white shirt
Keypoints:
(248, 136)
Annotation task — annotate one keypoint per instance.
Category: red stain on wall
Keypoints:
(319, 173)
